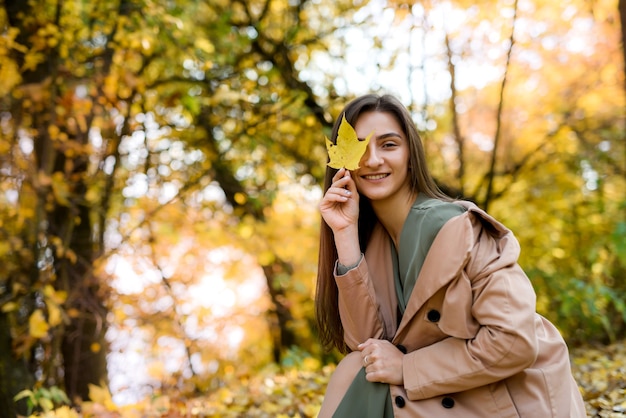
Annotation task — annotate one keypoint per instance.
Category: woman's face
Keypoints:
(383, 169)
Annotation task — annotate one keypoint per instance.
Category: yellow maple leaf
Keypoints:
(349, 149)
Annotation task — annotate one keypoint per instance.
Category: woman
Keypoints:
(425, 293)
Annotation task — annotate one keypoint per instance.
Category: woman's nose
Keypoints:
(371, 158)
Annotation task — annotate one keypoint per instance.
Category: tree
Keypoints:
(54, 240)
(543, 143)
(64, 100)
(84, 82)
(163, 133)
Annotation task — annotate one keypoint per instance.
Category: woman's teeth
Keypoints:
(375, 176)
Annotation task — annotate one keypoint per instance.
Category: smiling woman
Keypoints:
(383, 175)
(425, 293)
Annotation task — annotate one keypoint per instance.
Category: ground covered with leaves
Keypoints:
(298, 392)
(601, 376)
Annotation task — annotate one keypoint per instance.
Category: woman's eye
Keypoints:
(389, 144)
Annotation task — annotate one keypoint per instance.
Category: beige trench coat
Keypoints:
(475, 345)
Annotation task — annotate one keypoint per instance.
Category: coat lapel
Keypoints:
(446, 257)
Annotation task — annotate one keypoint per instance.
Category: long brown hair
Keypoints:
(420, 181)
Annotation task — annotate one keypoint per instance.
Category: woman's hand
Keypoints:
(382, 361)
(340, 205)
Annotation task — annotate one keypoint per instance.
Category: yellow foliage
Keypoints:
(289, 233)
(296, 392)
(54, 314)
(245, 231)
(57, 296)
(311, 364)
(61, 189)
(37, 325)
(31, 60)
(205, 45)
(225, 95)
(9, 307)
(71, 256)
(240, 198)
(9, 74)
(156, 369)
(100, 395)
(62, 412)
(93, 195)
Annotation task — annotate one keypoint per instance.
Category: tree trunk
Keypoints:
(14, 374)
(83, 346)
(280, 325)
(82, 342)
(280, 317)
(491, 174)
(622, 17)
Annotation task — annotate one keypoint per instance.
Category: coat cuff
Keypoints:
(341, 269)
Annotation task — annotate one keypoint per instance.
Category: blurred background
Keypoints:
(161, 164)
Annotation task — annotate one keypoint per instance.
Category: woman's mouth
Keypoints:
(374, 176)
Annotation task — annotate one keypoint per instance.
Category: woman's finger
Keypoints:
(367, 343)
(336, 195)
(339, 191)
(339, 174)
(342, 181)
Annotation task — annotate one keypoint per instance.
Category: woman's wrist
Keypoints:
(347, 244)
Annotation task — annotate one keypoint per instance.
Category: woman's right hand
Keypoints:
(340, 205)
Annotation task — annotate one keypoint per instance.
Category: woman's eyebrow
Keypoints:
(384, 136)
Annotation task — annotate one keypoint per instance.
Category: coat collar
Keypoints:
(448, 255)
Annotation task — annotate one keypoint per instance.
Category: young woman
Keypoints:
(425, 293)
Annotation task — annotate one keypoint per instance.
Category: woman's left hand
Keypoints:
(382, 361)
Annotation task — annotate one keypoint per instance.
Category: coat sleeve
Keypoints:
(503, 306)
(367, 296)
(358, 306)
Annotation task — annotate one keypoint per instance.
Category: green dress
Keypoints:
(425, 219)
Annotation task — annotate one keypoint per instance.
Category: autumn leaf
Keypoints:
(37, 324)
(10, 76)
(100, 395)
(60, 189)
(56, 296)
(9, 307)
(348, 150)
(63, 412)
(55, 316)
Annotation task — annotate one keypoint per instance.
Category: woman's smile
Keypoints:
(374, 176)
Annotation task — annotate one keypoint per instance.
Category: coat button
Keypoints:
(400, 402)
(447, 402)
(401, 348)
(433, 315)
